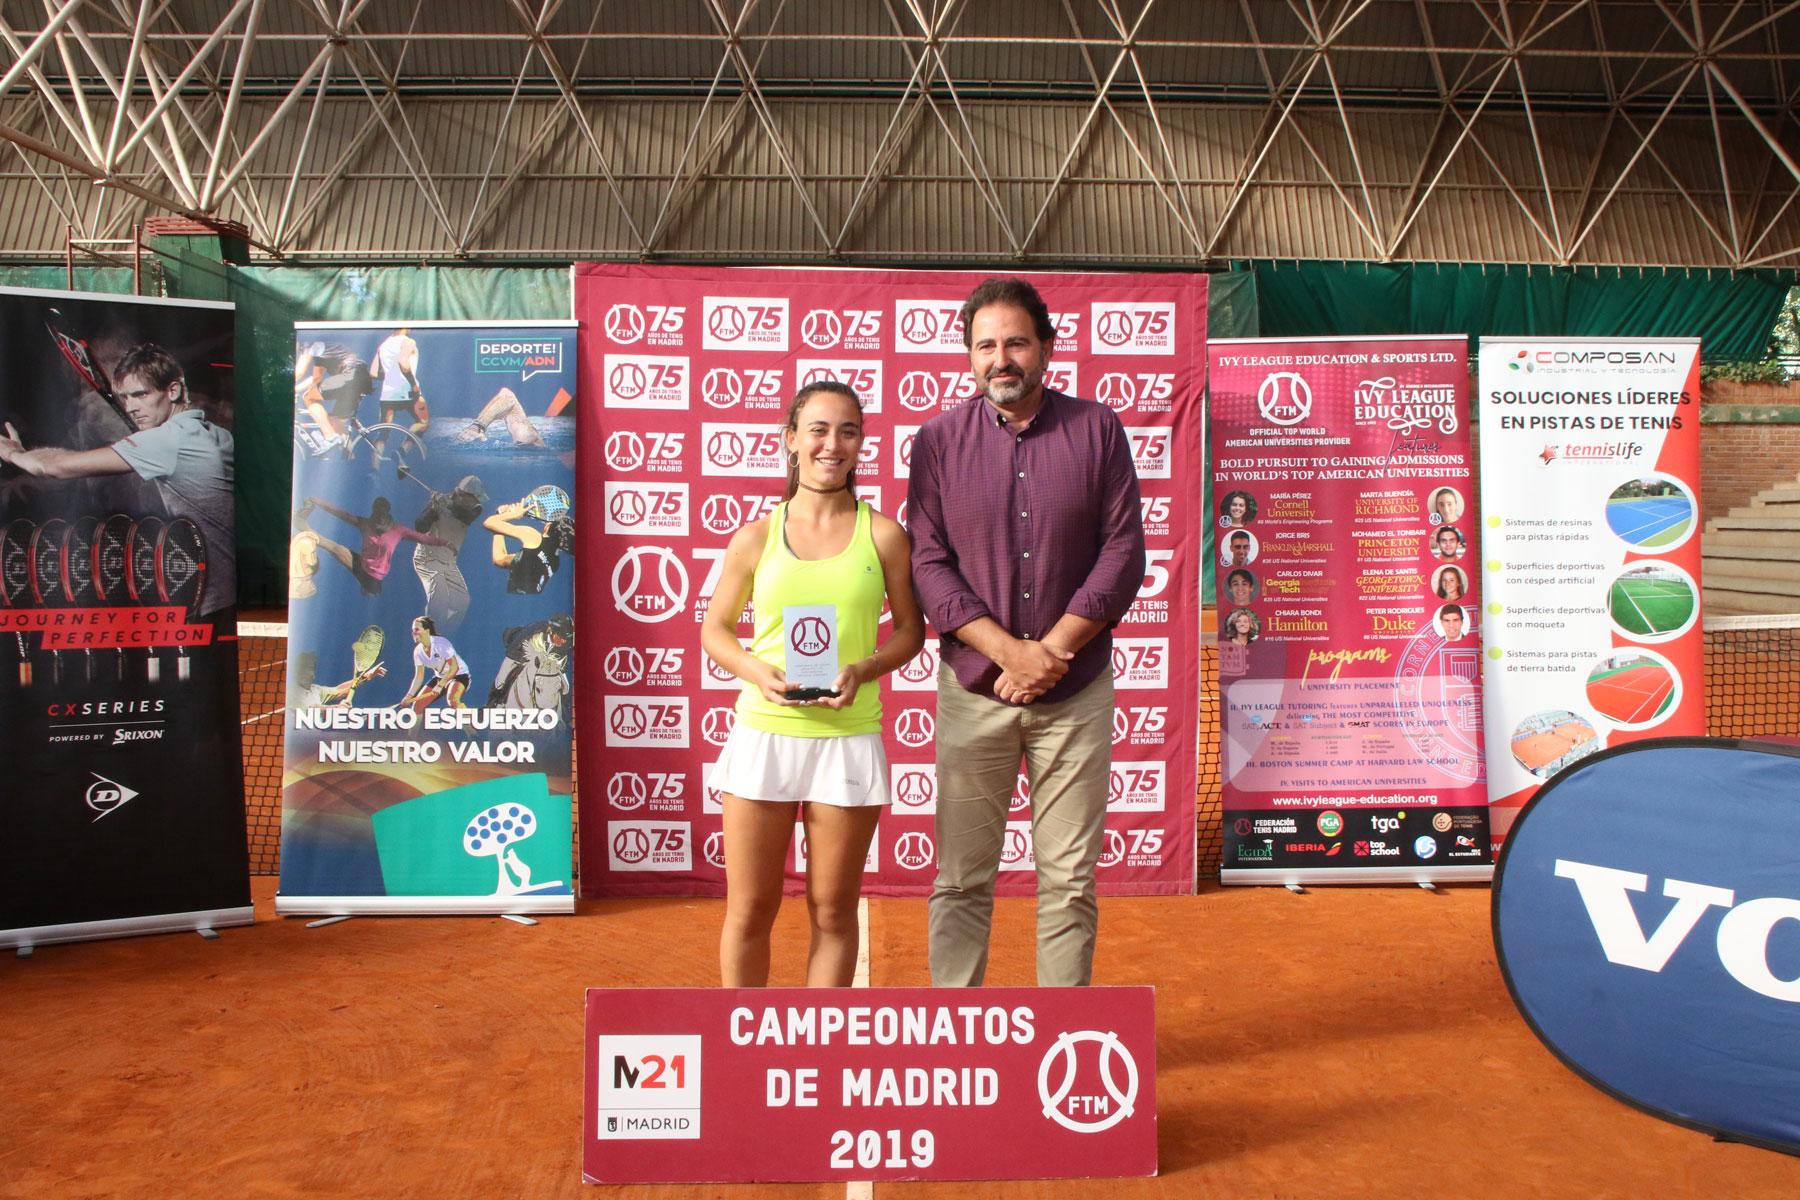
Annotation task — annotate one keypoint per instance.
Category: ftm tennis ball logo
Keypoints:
(523, 357)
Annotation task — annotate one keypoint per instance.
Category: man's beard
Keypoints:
(1009, 390)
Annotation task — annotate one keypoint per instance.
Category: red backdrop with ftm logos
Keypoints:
(686, 375)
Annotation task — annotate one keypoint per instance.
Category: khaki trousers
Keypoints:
(1067, 748)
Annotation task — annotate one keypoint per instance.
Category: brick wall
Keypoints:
(1739, 460)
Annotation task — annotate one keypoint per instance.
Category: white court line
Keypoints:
(861, 1189)
(862, 943)
(1649, 624)
(1653, 700)
(1655, 525)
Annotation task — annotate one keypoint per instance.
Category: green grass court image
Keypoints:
(1651, 600)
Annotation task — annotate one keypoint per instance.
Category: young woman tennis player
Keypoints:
(821, 757)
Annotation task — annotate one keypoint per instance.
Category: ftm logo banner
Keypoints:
(689, 1085)
(1647, 921)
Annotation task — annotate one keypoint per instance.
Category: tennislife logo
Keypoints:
(524, 357)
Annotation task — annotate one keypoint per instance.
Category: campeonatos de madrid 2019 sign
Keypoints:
(725, 1085)
(686, 378)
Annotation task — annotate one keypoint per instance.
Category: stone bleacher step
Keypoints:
(1714, 565)
(1749, 584)
(1769, 539)
(1722, 601)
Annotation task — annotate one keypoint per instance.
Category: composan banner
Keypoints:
(430, 620)
(755, 1085)
(118, 644)
(687, 374)
(1349, 659)
(1590, 479)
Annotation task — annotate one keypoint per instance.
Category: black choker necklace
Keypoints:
(823, 491)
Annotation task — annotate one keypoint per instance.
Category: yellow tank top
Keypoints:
(851, 579)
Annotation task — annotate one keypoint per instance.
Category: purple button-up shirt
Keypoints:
(1024, 527)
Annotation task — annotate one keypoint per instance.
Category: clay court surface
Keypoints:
(1631, 695)
(1349, 1042)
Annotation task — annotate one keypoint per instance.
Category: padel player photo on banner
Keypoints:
(118, 659)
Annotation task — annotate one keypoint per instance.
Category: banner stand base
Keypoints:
(418, 906)
(202, 922)
(1295, 881)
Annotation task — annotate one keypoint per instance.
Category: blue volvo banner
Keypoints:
(1647, 921)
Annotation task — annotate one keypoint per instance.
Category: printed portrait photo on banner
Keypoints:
(1238, 549)
(1242, 626)
(1240, 587)
(1445, 506)
(1452, 622)
(1447, 543)
(1236, 510)
(1450, 583)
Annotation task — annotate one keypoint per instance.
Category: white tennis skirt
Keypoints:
(845, 772)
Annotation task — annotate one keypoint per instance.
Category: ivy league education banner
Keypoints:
(1590, 478)
(1348, 655)
(430, 620)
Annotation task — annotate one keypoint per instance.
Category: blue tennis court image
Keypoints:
(1652, 513)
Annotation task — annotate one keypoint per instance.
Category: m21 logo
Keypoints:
(1647, 922)
(647, 1087)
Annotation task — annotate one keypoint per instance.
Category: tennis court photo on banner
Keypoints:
(1652, 513)
(1653, 601)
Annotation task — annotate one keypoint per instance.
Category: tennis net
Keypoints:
(1752, 689)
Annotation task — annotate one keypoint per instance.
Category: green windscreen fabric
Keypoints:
(271, 298)
(1731, 312)
(51, 277)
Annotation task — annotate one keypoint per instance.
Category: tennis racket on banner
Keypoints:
(140, 578)
(365, 656)
(402, 471)
(78, 575)
(112, 573)
(547, 503)
(75, 352)
(181, 575)
(46, 575)
(15, 582)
